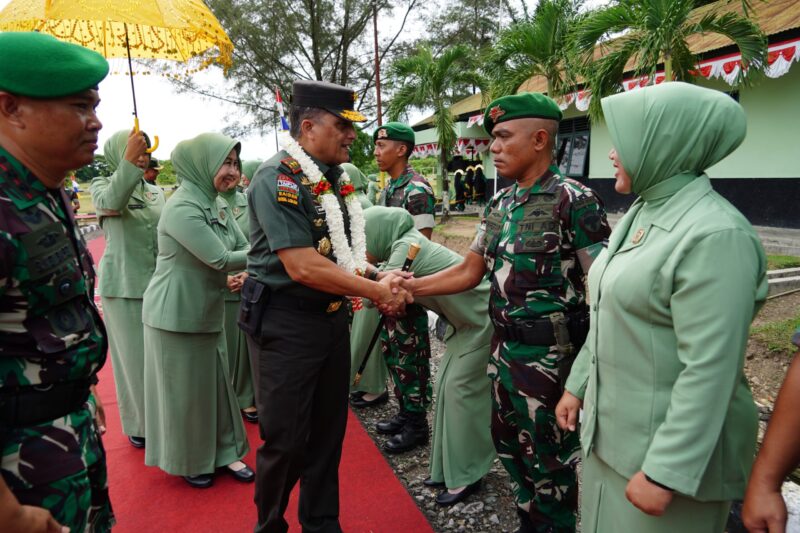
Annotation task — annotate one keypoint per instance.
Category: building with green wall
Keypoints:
(762, 177)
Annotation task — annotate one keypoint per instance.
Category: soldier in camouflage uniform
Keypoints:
(53, 342)
(404, 341)
(535, 242)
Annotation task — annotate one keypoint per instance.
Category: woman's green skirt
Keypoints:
(123, 320)
(193, 424)
(604, 508)
(373, 380)
(238, 357)
(462, 450)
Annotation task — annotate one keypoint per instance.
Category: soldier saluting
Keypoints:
(536, 241)
(53, 343)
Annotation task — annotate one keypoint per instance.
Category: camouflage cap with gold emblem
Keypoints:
(523, 105)
(394, 131)
(329, 96)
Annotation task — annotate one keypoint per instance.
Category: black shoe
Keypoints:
(357, 394)
(203, 481)
(447, 498)
(428, 482)
(413, 434)
(360, 402)
(393, 426)
(245, 475)
(250, 416)
(136, 442)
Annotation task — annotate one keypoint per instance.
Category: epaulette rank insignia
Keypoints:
(292, 164)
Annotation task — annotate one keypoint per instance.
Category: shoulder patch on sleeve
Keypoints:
(292, 164)
(583, 200)
(287, 190)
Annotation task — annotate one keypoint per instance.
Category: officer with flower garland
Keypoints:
(307, 251)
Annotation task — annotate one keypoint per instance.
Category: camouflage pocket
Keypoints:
(58, 308)
(537, 261)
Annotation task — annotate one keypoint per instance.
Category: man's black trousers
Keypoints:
(301, 363)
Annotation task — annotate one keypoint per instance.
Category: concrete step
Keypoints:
(779, 285)
(783, 273)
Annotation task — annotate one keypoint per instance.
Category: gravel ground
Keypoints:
(490, 510)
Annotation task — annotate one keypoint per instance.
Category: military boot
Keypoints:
(393, 426)
(413, 434)
(525, 524)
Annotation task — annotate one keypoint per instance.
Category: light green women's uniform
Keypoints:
(671, 301)
(128, 209)
(462, 451)
(238, 354)
(193, 420)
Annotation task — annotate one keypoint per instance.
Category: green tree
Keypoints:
(167, 174)
(655, 32)
(279, 41)
(98, 167)
(534, 47)
(361, 152)
(424, 81)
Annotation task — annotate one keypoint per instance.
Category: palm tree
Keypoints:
(425, 81)
(535, 47)
(655, 32)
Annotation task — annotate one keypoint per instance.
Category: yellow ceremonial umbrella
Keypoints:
(180, 30)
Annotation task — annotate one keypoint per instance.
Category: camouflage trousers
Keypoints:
(61, 466)
(407, 348)
(539, 457)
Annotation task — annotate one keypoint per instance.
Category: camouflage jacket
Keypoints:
(412, 192)
(535, 241)
(50, 329)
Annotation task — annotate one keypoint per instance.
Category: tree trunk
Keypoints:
(445, 186)
(667, 68)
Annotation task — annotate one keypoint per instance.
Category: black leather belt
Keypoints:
(35, 404)
(540, 331)
(307, 305)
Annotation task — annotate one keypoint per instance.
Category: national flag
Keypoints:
(281, 112)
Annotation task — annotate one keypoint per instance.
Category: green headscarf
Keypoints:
(249, 167)
(668, 134)
(384, 225)
(197, 160)
(114, 149)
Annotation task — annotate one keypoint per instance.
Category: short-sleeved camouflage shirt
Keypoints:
(534, 241)
(50, 328)
(285, 213)
(413, 193)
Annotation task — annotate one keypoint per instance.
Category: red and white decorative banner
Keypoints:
(780, 58)
(425, 150)
(463, 147)
(471, 146)
(475, 119)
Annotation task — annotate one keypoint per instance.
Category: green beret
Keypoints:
(523, 105)
(394, 131)
(40, 66)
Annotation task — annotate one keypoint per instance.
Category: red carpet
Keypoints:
(145, 499)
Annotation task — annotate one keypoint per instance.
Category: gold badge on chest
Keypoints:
(324, 246)
(221, 214)
(638, 236)
(318, 222)
(237, 211)
(150, 196)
